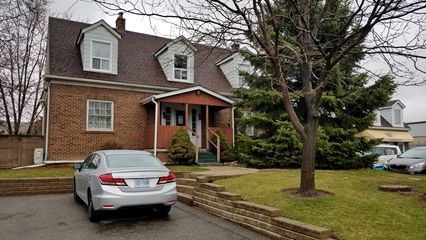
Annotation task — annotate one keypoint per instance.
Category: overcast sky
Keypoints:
(414, 98)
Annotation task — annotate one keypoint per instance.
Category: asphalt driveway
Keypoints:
(44, 217)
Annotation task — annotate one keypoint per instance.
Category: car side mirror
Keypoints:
(77, 166)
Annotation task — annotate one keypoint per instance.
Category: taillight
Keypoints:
(169, 178)
(108, 179)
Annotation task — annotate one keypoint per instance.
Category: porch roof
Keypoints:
(187, 90)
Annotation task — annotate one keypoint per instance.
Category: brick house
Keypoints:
(106, 83)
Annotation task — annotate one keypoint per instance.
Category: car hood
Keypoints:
(406, 161)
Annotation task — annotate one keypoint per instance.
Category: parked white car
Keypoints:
(116, 179)
(386, 152)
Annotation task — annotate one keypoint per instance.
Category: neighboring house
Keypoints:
(107, 83)
(390, 127)
(418, 131)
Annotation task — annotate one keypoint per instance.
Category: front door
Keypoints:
(194, 123)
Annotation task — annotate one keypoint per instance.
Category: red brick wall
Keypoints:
(68, 138)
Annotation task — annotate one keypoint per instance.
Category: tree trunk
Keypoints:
(307, 178)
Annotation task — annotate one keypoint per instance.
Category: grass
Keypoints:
(357, 211)
(181, 168)
(44, 172)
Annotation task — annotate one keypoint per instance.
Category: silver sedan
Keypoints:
(115, 179)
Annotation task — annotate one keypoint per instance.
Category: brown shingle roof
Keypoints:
(136, 62)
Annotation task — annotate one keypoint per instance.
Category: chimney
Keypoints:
(120, 23)
(235, 47)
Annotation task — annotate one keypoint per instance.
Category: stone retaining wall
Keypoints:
(9, 187)
(264, 219)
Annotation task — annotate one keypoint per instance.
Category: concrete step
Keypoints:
(185, 198)
(186, 181)
(185, 189)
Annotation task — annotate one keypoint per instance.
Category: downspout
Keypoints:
(233, 127)
(46, 135)
(155, 125)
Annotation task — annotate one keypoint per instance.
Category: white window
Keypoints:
(101, 56)
(181, 67)
(100, 115)
(397, 113)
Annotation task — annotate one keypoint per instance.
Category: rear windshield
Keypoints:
(132, 161)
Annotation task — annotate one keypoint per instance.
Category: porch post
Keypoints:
(156, 123)
(207, 126)
(186, 116)
(233, 126)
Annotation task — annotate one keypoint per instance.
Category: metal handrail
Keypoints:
(217, 145)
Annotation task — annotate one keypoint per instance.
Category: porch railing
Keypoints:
(217, 145)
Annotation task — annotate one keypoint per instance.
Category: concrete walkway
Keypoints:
(227, 171)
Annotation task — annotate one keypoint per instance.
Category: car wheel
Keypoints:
(91, 212)
(76, 197)
(163, 211)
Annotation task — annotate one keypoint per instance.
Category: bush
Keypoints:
(181, 149)
(111, 144)
(226, 151)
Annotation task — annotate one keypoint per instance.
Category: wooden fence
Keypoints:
(18, 151)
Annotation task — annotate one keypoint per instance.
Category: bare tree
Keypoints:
(22, 58)
(393, 29)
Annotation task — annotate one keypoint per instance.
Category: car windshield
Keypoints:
(414, 153)
(132, 161)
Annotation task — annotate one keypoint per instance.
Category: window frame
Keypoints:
(181, 69)
(395, 110)
(87, 116)
(91, 56)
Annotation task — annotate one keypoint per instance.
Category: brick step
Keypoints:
(185, 198)
(271, 230)
(45, 191)
(182, 174)
(185, 189)
(186, 181)
(229, 202)
(35, 187)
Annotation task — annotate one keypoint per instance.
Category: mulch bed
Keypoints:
(294, 192)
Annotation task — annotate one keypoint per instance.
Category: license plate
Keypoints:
(142, 183)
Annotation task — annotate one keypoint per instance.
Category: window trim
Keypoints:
(91, 56)
(400, 117)
(87, 116)
(181, 69)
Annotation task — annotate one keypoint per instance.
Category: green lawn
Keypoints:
(69, 172)
(37, 173)
(181, 168)
(357, 211)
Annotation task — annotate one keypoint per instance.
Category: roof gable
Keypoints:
(176, 40)
(95, 25)
(188, 90)
(393, 102)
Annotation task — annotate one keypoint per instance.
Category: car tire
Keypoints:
(91, 212)
(163, 211)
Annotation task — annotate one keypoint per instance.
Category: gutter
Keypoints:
(46, 135)
(233, 126)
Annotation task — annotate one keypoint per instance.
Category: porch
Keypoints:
(200, 111)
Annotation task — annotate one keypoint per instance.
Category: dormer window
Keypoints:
(397, 113)
(101, 56)
(181, 67)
